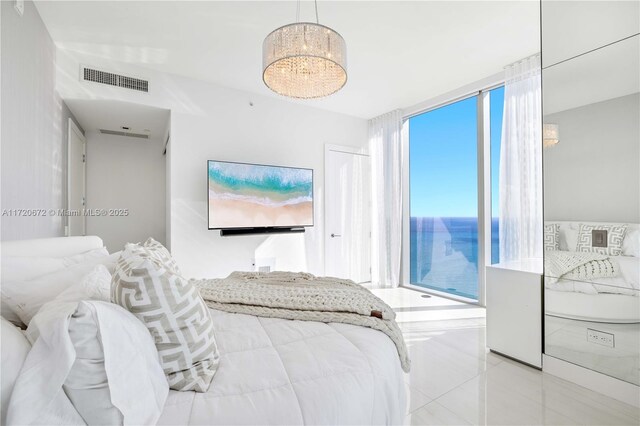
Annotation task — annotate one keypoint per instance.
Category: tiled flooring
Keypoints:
(454, 380)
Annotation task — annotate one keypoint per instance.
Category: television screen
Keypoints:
(257, 196)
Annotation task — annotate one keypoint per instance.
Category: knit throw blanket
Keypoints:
(305, 297)
(577, 266)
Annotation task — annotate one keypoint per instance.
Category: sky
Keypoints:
(443, 159)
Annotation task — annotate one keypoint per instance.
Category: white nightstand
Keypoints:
(514, 310)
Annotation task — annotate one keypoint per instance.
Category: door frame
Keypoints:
(327, 149)
(72, 127)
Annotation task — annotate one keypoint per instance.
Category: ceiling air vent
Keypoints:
(121, 133)
(117, 80)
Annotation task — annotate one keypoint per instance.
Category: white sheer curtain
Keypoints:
(385, 147)
(521, 163)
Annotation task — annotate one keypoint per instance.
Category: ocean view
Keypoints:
(444, 253)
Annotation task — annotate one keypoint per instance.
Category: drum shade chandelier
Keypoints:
(304, 60)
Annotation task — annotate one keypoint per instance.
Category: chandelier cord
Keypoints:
(298, 11)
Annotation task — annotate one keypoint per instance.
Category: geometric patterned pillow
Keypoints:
(161, 254)
(552, 236)
(615, 237)
(174, 313)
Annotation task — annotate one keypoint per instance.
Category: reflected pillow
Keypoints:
(631, 243)
(552, 236)
(615, 238)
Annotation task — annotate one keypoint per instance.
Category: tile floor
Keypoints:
(454, 380)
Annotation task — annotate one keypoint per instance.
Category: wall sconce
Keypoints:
(550, 135)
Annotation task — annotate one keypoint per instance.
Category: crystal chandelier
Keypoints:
(304, 60)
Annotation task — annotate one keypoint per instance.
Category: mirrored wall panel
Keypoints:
(591, 115)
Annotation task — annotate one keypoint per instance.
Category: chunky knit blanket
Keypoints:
(577, 266)
(302, 296)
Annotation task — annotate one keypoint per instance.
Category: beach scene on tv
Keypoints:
(254, 196)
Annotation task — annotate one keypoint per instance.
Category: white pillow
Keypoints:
(18, 268)
(101, 356)
(25, 267)
(569, 236)
(14, 348)
(631, 243)
(25, 298)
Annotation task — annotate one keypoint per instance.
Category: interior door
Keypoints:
(76, 181)
(347, 214)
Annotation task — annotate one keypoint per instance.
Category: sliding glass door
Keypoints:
(444, 196)
(443, 179)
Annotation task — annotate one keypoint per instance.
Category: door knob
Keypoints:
(335, 235)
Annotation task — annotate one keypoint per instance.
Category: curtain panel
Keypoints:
(385, 147)
(520, 187)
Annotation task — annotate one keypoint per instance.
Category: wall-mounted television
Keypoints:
(258, 197)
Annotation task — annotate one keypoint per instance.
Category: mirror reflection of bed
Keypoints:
(591, 105)
(592, 302)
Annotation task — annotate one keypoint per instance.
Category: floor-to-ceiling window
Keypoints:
(443, 194)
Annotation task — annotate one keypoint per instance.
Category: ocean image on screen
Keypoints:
(252, 196)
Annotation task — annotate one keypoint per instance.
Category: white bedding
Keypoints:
(275, 371)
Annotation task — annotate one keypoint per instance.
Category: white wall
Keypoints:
(126, 173)
(592, 174)
(214, 122)
(34, 127)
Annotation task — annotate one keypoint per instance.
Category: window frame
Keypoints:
(482, 92)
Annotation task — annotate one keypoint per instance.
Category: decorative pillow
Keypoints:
(552, 236)
(25, 298)
(15, 348)
(615, 237)
(91, 362)
(173, 311)
(160, 253)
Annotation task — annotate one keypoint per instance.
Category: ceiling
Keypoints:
(94, 115)
(399, 53)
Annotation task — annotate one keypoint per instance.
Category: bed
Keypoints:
(276, 371)
(603, 299)
(578, 309)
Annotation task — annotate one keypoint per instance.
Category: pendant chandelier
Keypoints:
(304, 60)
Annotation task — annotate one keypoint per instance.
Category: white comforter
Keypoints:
(275, 371)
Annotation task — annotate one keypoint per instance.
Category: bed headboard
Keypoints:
(50, 247)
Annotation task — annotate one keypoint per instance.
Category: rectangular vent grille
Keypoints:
(121, 133)
(116, 80)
